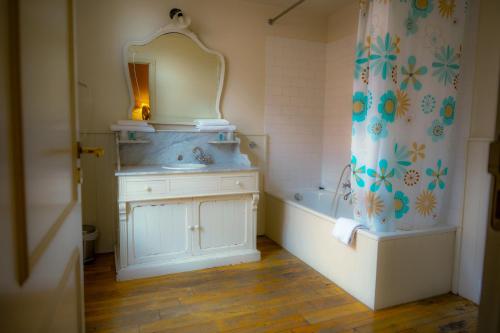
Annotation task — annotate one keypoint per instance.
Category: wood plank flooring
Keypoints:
(278, 294)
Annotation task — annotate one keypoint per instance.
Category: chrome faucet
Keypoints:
(346, 188)
(201, 156)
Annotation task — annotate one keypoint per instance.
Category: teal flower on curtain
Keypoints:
(436, 131)
(411, 73)
(447, 111)
(428, 104)
(401, 204)
(357, 171)
(377, 129)
(411, 25)
(421, 8)
(437, 175)
(446, 65)
(361, 59)
(387, 106)
(382, 177)
(383, 55)
(359, 106)
(401, 156)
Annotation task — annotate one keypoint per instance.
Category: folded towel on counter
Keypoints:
(345, 229)
(129, 128)
(133, 122)
(211, 122)
(227, 128)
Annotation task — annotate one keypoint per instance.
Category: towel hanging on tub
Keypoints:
(344, 230)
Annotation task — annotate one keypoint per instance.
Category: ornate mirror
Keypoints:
(172, 77)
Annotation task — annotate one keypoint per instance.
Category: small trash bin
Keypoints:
(89, 235)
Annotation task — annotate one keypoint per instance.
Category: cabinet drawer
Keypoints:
(193, 185)
(146, 187)
(239, 183)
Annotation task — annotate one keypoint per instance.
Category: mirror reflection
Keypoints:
(174, 80)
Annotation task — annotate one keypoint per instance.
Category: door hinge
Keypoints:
(78, 175)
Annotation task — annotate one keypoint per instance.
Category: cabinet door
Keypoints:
(160, 232)
(223, 223)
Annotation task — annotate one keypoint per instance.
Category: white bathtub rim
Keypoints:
(378, 236)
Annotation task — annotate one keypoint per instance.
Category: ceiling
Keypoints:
(318, 7)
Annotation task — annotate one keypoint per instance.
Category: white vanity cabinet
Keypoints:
(223, 223)
(159, 231)
(180, 222)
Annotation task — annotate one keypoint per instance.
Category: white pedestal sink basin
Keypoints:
(184, 166)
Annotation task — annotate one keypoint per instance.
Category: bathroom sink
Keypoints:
(184, 166)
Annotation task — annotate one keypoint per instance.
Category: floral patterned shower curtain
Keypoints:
(407, 71)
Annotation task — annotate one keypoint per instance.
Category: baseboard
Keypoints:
(194, 263)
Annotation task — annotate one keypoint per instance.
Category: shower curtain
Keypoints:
(407, 72)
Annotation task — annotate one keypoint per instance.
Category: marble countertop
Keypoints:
(141, 170)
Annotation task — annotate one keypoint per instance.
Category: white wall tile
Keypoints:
(337, 111)
(294, 112)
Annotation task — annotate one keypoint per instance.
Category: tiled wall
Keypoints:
(337, 112)
(308, 112)
(295, 85)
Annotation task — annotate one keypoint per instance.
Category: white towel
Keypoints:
(227, 128)
(133, 122)
(211, 122)
(345, 229)
(119, 128)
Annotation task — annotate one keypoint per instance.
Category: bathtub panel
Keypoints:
(309, 237)
(413, 268)
(380, 270)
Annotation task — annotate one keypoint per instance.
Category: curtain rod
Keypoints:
(277, 17)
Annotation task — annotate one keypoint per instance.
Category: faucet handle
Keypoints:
(201, 156)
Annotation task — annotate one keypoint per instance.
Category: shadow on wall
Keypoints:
(99, 204)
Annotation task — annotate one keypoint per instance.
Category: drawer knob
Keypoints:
(149, 189)
(238, 182)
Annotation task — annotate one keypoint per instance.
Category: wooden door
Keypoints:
(40, 236)
(486, 104)
(222, 223)
(489, 310)
(160, 231)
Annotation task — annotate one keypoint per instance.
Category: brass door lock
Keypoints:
(96, 151)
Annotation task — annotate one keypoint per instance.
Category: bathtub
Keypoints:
(379, 269)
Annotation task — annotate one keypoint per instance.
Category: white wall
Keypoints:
(236, 28)
(481, 132)
(337, 121)
(290, 123)
(337, 132)
(464, 264)
(294, 112)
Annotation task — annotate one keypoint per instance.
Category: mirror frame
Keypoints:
(170, 29)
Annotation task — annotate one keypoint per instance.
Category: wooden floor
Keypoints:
(278, 294)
